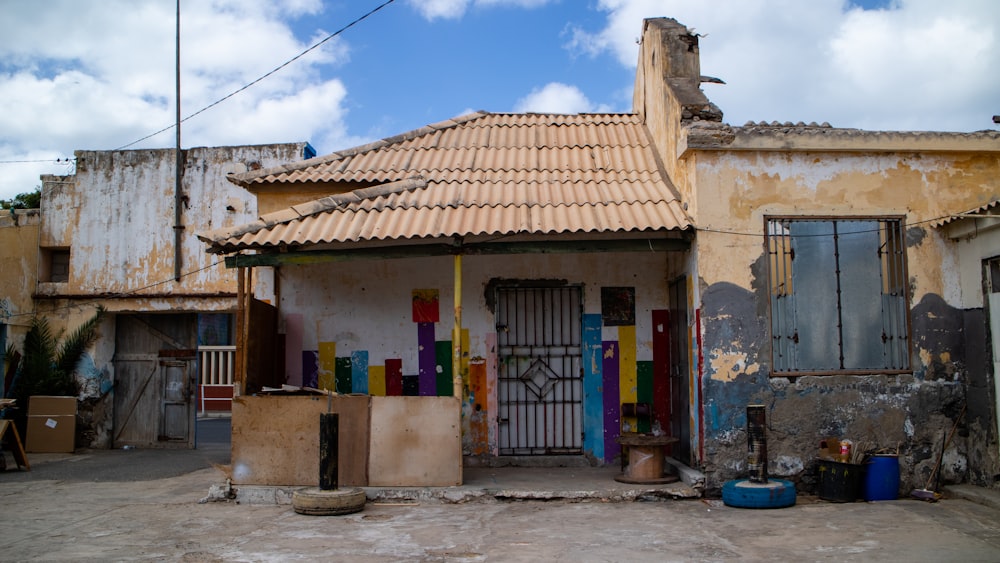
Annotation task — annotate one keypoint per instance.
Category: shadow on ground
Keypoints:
(133, 464)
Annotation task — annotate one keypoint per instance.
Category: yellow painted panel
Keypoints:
(627, 365)
(327, 366)
(628, 377)
(376, 380)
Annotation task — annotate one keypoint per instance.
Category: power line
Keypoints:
(276, 69)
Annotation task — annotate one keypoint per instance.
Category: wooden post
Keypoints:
(239, 366)
(329, 439)
(456, 336)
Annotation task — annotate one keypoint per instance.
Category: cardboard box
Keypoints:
(39, 405)
(51, 434)
(51, 424)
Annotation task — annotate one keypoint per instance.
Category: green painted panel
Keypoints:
(443, 357)
(644, 391)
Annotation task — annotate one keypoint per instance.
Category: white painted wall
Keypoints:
(367, 305)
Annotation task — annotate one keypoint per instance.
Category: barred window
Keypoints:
(838, 295)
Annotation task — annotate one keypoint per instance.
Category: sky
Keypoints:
(100, 74)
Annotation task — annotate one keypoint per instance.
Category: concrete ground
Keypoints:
(145, 505)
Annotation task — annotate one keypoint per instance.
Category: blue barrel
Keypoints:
(882, 477)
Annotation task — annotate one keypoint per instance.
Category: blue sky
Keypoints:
(109, 78)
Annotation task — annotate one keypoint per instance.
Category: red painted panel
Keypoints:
(425, 306)
(394, 377)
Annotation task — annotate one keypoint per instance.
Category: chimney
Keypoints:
(668, 78)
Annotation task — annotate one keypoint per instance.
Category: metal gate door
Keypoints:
(540, 375)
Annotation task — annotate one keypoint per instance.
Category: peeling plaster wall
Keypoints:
(735, 190)
(116, 217)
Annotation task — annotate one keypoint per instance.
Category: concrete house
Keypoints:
(119, 233)
(524, 288)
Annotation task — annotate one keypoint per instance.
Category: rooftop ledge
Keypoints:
(705, 135)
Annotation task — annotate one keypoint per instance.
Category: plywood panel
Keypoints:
(415, 442)
(276, 440)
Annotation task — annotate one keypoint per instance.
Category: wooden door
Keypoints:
(154, 362)
(680, 375)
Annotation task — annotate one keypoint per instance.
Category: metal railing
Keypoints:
(216, 366)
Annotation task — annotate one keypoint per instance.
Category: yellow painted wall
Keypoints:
(19, 264)
(736, 190)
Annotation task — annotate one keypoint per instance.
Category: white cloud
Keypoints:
(915, 64)
(455, 9)
(555, 97)
(102, 75)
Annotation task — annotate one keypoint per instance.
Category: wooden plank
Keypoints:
(480, 415)
(359, 372)
(411, 385)
(326, 377)
(469, 249)
(415, 442)
(644, 392)
(276, 439)
(661, 368)
(310, 370)
(593, 403)
(376, 380)
(627, 374)
(344, 372)
(612, 402)
(8, 433)
(426, 359)
(394, 377)
(444, 384)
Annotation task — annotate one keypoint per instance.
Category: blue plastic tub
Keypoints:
(882, 477)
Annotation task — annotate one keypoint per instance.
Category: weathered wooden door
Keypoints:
(176, 420)
(154, 391)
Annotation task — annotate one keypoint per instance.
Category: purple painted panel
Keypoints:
(612, 408)
(310, 368)
(427, 359)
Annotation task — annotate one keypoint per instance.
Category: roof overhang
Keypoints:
(655, 241)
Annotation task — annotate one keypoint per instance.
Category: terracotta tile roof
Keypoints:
(480, 174)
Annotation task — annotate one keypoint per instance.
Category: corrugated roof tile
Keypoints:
(481, 174)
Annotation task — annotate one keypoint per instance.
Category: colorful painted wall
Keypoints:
(385, 328)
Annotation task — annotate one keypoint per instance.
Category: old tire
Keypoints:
(776, 493)
(318, 502)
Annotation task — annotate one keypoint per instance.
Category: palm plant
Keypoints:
(47, 365)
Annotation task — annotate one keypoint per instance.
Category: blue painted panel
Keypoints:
(593, 402)
(359, 372)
